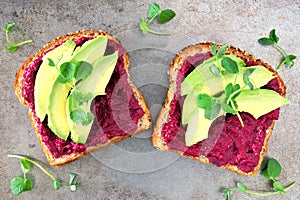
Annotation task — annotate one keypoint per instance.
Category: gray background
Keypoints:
(146, 173)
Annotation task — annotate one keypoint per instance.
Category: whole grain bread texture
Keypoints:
(143, 123)
(163, 117)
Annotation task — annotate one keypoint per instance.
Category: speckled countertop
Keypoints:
(133, 169)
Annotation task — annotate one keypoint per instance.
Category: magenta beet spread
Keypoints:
(228, 142)
(117, 113)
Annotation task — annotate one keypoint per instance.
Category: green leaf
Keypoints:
(67, 69)
(289, 60)
(19, 185)
(25, 165)
(72, 177)
(246, 78)
(265, 174)
(78, 116)
(61, 79)
(277, 186)
(9, 26)
(266, 41)
(273, 36)
(274, 168)
(153, 10)
(215, 70)
(242, 187)
(82, 70)
(56, 184)
(89, 118)
(213, 112)
(227, 194)
(51, 62)
(227, 108)
(144, 26)
(222, 51)
(166, 15)
(213, 49)
(205, 101)
(230, 65)
(12, 48)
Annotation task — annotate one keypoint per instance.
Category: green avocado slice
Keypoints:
(90, 52)
(95, 84)
(47, 75)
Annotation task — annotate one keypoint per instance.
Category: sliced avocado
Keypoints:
(95, 84)
(260, 101)
(46, 76)
(57, 120)
(90, 52)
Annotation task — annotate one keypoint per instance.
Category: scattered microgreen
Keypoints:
(230, 65)
(72, 73)
(154, 12)
(215, 70)
(273, 40)
(211, 106)
(12, 46)
(222, 51)
(271, 172)
(22, 184)
(246, 78)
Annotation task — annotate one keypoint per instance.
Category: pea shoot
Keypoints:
(22, 184)
(273, 39)
(12, 46)
(271, 173)
(154, 12)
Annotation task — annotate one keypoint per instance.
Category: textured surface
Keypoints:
(132, 169)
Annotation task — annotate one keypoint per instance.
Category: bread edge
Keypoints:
(157, 139)
(143, 123)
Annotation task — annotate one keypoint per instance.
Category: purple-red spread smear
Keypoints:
(228, 142)
(117, 113)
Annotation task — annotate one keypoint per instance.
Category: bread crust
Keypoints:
(163, 117)
(143, 123)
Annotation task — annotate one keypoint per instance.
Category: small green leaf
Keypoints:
(222, 51)
(9, 26)
(227, 108)
(144, 26)
(273, 36)
(289, 60)
(19, 185)
(266, 41)
(213, 112)
(82, 70)
(61, 79)
(213, 49)
(166, 15)
(205, 101)
(51, 62)
(72, 177)
(274, 168)
(230, 65)
(89, 118)
(265, 174)
(242, 187)
(25, 165)
(67, 69)
(12, 48)
(227, 194)
(153, 10)
(277, 186)
(56, 184)
(78, 116)
(215, 70)
(246, 78)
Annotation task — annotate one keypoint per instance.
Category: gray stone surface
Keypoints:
(133, 169)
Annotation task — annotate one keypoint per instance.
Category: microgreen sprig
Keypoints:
(273, 40)
(12, 46)
(72, 73)
(271, 172)
(22, 184)
(154, 12)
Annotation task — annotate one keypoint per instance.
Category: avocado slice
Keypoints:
(95, 84)
(57, 99)
(46, 76)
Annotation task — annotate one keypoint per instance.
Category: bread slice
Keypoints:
(24, 88)
(166, 115)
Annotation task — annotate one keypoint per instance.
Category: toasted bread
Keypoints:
(164, 116)
(143, 123)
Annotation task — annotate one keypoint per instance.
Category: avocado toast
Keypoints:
(221, 107)
(80, 96)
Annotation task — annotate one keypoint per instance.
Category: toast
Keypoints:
(169, 132)
(108, 126)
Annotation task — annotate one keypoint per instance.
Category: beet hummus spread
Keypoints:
(116, 113)
(228, 142)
